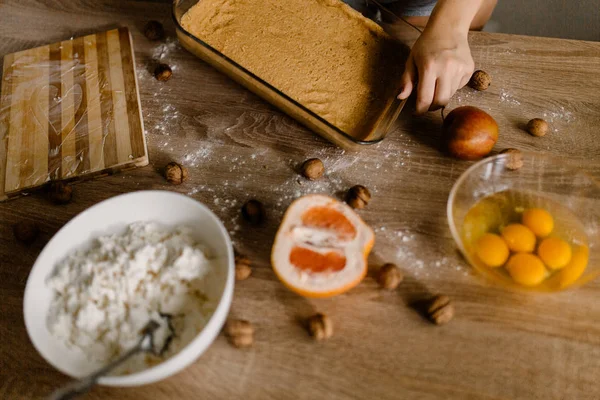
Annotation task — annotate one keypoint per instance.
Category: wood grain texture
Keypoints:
(501, 344)
(79, 68)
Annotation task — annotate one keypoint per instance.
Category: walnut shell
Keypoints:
(239, 332)
(538, 127)
(253, 211)
(163, 72)
(236, 327)
(60, 193)
(389, 276)
(175, 173)
(514, 160)
(154, 30)
(243, 268)
(320, 326)
(480, 80)
(26, 231)
(313, 169)
(358, 197)
(440, 310)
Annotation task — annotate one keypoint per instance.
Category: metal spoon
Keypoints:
(145, 344)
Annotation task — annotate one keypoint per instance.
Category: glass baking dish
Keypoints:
(280, 100)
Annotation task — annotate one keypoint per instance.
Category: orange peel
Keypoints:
(321, 247)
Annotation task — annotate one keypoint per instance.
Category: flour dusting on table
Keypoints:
(105, 295)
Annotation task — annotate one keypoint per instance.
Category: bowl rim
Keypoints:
(181, 359)
(450, 202)
(451, 197)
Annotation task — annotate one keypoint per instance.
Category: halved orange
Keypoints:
(321, 247)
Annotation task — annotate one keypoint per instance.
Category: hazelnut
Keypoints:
(26, 231)
(243, 268)
(154, 30)
(440, 310)
(480, 80)
(313, 169)
(163, 72)
(514, 161)
(538, 127)
(358, 197)
(60, 193)
(253, 211)
(320, 326)
(389, 276)
(239, 332)
(175, 173)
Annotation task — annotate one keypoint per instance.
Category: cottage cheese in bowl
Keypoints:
(106, 294)
(139, 256)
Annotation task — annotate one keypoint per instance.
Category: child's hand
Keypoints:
(441, 63)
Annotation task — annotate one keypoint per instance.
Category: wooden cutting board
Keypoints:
(69, 110)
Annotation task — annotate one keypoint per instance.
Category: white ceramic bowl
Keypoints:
(110, 216)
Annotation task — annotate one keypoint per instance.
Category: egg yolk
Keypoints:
(554, 252)
(492, 250)
(526, 269)
(519, 238)
(574, 269)
(539, 221)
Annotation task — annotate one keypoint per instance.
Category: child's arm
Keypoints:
(441, 59)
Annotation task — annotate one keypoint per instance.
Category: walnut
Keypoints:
(313, 169)
(253, 211)
(60, 193)
(26, 231)
(440, 310)
(389, 276)
(358, 197)
(163, 72)
(538, 127)
(480, 80)
(175, 173)
(239, 332)
(320, 326)
(154, 30)
(514, 160)
(243, 268)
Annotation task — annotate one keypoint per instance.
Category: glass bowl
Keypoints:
(490, 195)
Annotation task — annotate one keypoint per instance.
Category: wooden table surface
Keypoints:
(501, 344)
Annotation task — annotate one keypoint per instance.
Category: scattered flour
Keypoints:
(507, 97)
(558, 116)
(164, 118)
(466, 96)
(194, 158)
(105, 295)
(406, 250)
(163, 50)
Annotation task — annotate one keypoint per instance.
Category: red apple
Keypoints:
(469, 133)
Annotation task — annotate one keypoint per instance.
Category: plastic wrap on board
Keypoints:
(69, 110)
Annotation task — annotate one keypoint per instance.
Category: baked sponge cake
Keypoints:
(321, 53)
